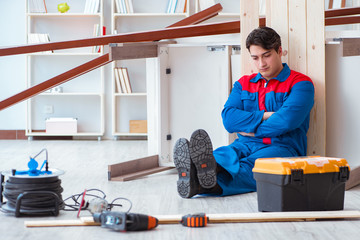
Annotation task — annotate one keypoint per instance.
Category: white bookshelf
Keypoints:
(136, 105)
(81, 98)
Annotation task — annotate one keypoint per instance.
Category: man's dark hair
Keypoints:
(264, 37)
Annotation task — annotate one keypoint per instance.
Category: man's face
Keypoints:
(267, 62)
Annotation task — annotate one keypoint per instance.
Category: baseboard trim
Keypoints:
(12, 134)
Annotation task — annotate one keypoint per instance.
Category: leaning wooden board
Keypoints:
(218, 218)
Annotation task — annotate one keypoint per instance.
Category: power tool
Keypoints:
(121, 221)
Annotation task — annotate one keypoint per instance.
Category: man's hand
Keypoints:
(267, 115)
(247, 134)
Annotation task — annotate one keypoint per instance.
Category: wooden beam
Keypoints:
(62, 78)
(342, 20)
(200, 16)
(143, 36)
(154, 35)
(342, 12)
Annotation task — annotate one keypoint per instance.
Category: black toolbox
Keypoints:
(301, 184)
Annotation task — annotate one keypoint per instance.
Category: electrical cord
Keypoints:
(93, 194)
(33, 201)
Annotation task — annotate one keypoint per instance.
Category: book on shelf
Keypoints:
(176, 6)
(39, 38)
(181, 6)
(171, 6)
(117, 81)
(203, 4)
(124, 6)
(122, 80)
(92, 6)
(126, 79)
(37, 6)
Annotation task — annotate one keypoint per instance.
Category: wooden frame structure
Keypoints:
(306, 49)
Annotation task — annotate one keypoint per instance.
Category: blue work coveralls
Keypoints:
(291, 96)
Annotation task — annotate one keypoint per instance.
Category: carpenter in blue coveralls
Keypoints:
(269, 111)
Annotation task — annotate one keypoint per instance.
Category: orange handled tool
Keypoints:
(195, 220)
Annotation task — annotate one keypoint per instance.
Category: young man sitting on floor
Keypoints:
(270, 113)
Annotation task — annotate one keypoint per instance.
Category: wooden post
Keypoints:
(302, 29)
(249, 20)
(279, 22)
(316, 71)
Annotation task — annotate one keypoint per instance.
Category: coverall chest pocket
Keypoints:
(274, 101)
(249, 101)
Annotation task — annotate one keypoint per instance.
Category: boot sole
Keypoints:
(201, 153)
(187, 184)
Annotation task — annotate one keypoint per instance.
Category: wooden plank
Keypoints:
(342, 20)
(249, 18)
(342, 12)
(200, 16)
(297, 36)
(315, 53)
(135, 51)
(57, 80)
(137, 174)
(280, 23)
(351, 47)
(354, 178)
(142, 36)
(132, 166)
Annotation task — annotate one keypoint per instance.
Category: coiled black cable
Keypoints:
(33, 202)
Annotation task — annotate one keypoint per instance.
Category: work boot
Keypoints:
(201, 154)
(188, 183)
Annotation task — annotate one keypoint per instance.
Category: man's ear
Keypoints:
(280, 52)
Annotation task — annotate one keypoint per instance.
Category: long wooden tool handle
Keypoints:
(219, 218)
(267, 217)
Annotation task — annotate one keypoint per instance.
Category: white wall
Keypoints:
(12, 68)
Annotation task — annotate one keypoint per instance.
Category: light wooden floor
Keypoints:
(85, 164)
